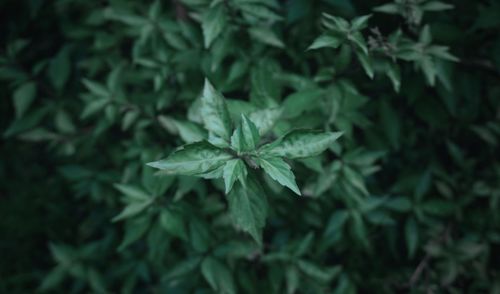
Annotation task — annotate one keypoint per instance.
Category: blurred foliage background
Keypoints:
(408, 200)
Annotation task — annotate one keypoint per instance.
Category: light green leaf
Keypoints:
(132, 210)
(23, 97)
(193, 159)
(335, 22)
(246, 136)
(218, 275)
(325, 41)
(280, 171)
(360, 22)
(300, 143)
(233, 170)
(265, 119)
(214, 112)
(248, 208)
(213, 23)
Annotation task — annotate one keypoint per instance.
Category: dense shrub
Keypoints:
(383, 116)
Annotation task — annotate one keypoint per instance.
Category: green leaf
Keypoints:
(304, 245)
(233, 170)
(436, 6)
(199, 235)
(96, 88)
(301, 101)
(188, 131)
(365, 63)
(265, 88)
(438, 207)
(248, 208)
(411, 236)
(425, 36)
(400, 204)
(94, 107)
(319, 274)
(26, 123)
(218, 275)
(64, 123)
(442, 53)
(133, 193)
(325, 41)
(59, 69)
(54, 278)
(266, 36)
(173, 223)
(246, 136)
(260, 11)
(359, 230)
(183, 267)
(336, 222)
(129, 118)
(280, 171)
(193, 159)
(23, 97)
(214, 112)
(213, 23)
(393, 73)
(134, 230)
(292, 279)
(358, 39)
(300, 143)
(390, 123)
(390, 8)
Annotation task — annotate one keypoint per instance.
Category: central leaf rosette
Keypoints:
(236, 153)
